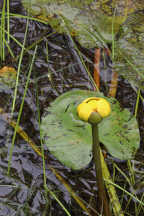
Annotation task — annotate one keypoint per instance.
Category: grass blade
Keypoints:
(20, 112)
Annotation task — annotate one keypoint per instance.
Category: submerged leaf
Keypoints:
(129, 50)
(69, 139)
(97, 23)
(89, 22)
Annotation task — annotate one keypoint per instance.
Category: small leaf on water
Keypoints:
(69, 139)
(8, 76)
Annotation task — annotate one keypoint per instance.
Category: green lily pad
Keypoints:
(119, 133)
(69, 139)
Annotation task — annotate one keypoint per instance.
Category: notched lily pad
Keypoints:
(119, 133)
(69, 139)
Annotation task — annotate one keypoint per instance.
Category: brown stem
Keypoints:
(114, 79)
(96, 67)
(96, 155)
(113, 85)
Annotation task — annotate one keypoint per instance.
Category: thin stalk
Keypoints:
(19, 68)
(99, 177)
(115, 204)
(126, 192)
(137, 103)
(59, 202)
(2, 33)
(113, 37)
(8, 20)
(97, 67)
(20, 111)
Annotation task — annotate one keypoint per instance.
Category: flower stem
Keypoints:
(100, 183)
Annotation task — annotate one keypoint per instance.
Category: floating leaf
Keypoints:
(119, 133)
(69, 139)
(129, 50)
(93, 22)
(89, 22)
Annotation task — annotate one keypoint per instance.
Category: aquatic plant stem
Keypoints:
(97, 67)
(99, 177)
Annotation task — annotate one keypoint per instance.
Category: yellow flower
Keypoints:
(93, 104)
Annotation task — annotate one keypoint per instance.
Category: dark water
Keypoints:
(22, 193)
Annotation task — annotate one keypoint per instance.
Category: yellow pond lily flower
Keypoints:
(93, 104)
